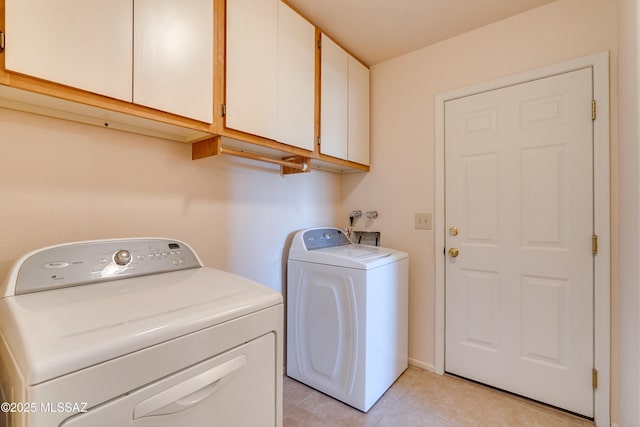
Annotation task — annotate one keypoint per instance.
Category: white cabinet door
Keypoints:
(296, 79)
(251, 66)
(79, 43)
(173, 57)
(270, 76)
(358, 147)
(344, 111)
(334, 99)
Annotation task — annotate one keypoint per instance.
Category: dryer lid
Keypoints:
(55, 332)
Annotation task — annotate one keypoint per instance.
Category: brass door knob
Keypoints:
(454, 252)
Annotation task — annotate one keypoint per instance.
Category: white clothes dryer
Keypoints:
(136, 332)
(347, 315)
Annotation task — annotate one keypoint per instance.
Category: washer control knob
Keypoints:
(122, 257)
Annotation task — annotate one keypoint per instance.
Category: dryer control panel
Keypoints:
(319, 238)
(82, 263)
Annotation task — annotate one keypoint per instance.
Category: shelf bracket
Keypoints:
(303, 163)
(213, 147)
(206, 148)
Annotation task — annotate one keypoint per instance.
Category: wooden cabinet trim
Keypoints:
(318, 91)
(4, 77)
(33, 84)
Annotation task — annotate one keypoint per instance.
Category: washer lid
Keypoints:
(342, 254)
(52, 333)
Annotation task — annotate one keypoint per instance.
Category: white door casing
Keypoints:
(519, 190)
(532, 285)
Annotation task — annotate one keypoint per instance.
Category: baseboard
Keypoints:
(422, 365)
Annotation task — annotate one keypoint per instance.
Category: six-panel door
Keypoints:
(519, 192)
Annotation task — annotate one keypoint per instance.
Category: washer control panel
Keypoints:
(319, 238)
(83, 263)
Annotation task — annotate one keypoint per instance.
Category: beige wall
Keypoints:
(627, 318)
(401, 181)
(63, 181)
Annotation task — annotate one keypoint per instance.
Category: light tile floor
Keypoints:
(421, 398)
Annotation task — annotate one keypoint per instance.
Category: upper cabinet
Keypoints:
(173, 56)
(344, 116)
(251, 66)
(358, 113)
(270, 72)
(252, 71)
(296, 79)
(72, 42)
(154, 53)
(334, 100)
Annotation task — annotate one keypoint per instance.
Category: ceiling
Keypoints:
(377, 30)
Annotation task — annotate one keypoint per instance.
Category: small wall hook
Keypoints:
(353, 216)
(371, 214)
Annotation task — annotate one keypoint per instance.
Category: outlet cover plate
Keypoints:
(424, 221)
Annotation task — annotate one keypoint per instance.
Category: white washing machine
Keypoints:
(347, 316)
(136, 332)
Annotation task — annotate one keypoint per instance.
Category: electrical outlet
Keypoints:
(424, 221)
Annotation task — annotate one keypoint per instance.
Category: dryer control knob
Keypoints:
(122, 257)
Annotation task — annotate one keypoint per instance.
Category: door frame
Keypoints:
(602, 221)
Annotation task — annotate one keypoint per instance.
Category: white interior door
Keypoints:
(519, 192)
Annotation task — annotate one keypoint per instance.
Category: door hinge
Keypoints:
(223, 109)
(1, 41)
(593, 109)
(318, 141)
(319, 43)
(594, 244)
(595, 378)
